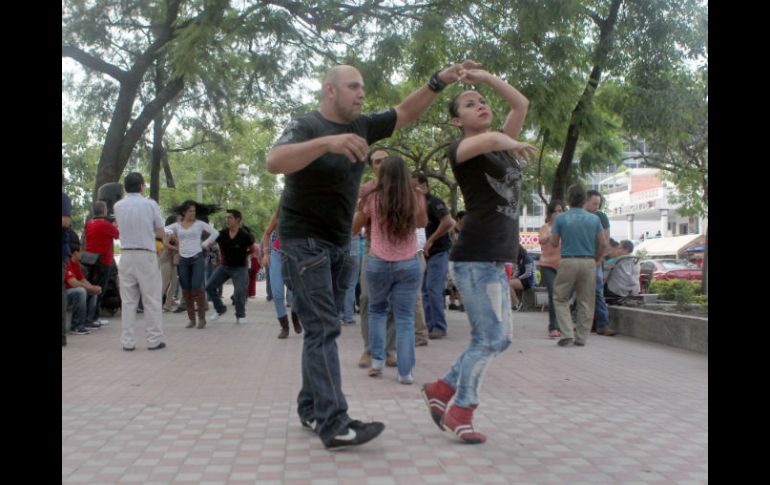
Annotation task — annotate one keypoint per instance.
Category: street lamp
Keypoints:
(243, 171)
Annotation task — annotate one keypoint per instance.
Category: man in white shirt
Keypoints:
(140, 222)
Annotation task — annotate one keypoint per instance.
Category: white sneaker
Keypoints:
(214, 316)
(406, 380)
(242, 321)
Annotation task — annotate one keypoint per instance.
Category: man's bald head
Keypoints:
(343, 94)
(336, 73)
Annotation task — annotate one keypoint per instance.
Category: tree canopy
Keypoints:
(217, 74)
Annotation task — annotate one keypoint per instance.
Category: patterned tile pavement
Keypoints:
(218, 406)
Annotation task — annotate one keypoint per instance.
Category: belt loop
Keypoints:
(311, 243)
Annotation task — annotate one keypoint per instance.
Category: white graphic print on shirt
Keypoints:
(507, 188)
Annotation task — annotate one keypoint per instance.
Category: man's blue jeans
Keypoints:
(601, 313)
(484, 289)
(318, 273)
(392, 283)
(350, 293)
(82, 303)
(433, 290)
(240, 277)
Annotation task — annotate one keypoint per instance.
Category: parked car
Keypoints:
(667, 269)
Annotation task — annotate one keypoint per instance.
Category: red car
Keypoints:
(667, 269)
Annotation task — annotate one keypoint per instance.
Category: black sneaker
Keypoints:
(566, 341)
(580, 343)
(79, 331)
(308, 424)
(93, 325)
(357, 433)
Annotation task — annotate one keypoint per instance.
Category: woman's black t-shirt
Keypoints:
(490, 184)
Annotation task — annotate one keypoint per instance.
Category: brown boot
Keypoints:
(296, 323)
(284, 321)
(189, 306)
(200, 303)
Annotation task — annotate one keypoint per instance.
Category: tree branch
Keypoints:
(188, 148)
(148, 114)
(91, 62)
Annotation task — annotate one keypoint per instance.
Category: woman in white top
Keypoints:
(189, 233)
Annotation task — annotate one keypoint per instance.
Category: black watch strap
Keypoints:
(435, 84)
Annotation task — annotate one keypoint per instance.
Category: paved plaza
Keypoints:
(218, 405)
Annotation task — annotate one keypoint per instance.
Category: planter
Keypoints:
(683, 331)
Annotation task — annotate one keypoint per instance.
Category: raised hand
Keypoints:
(474, 76)
(454, 73)
(523, 150)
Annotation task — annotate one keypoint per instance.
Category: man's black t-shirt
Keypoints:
(319, 200)
(235, 250)
(490, 184)
(437, 209)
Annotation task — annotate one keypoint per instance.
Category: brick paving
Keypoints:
(218, 406)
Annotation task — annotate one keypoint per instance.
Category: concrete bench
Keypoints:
(534, 299)
(688, 332)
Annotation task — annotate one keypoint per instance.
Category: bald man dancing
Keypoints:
(322, 153)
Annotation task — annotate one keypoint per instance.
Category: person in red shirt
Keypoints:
(100, 234)
(81, 294)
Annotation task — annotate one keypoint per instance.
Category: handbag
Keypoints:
(89, 259)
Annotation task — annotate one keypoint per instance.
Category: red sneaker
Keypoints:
(437, 395)
(458, 420)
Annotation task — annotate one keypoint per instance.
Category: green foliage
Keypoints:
(683, 292)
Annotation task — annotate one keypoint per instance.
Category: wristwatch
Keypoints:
(435, 84)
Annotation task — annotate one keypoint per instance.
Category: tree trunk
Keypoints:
(157, 138)
(607, 27)
(108, 169)
(157, 157)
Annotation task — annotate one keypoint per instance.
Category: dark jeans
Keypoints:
(433, 290)
(549, 275)
(191, 272)
(240, 277)
(318, 273)
(601, 313)
(98, 274)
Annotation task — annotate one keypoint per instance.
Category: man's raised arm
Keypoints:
(420, 100)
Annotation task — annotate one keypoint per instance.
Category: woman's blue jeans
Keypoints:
(394, 284)
(191, 272)
(280, 294)
(549, 275)
(484, 289)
